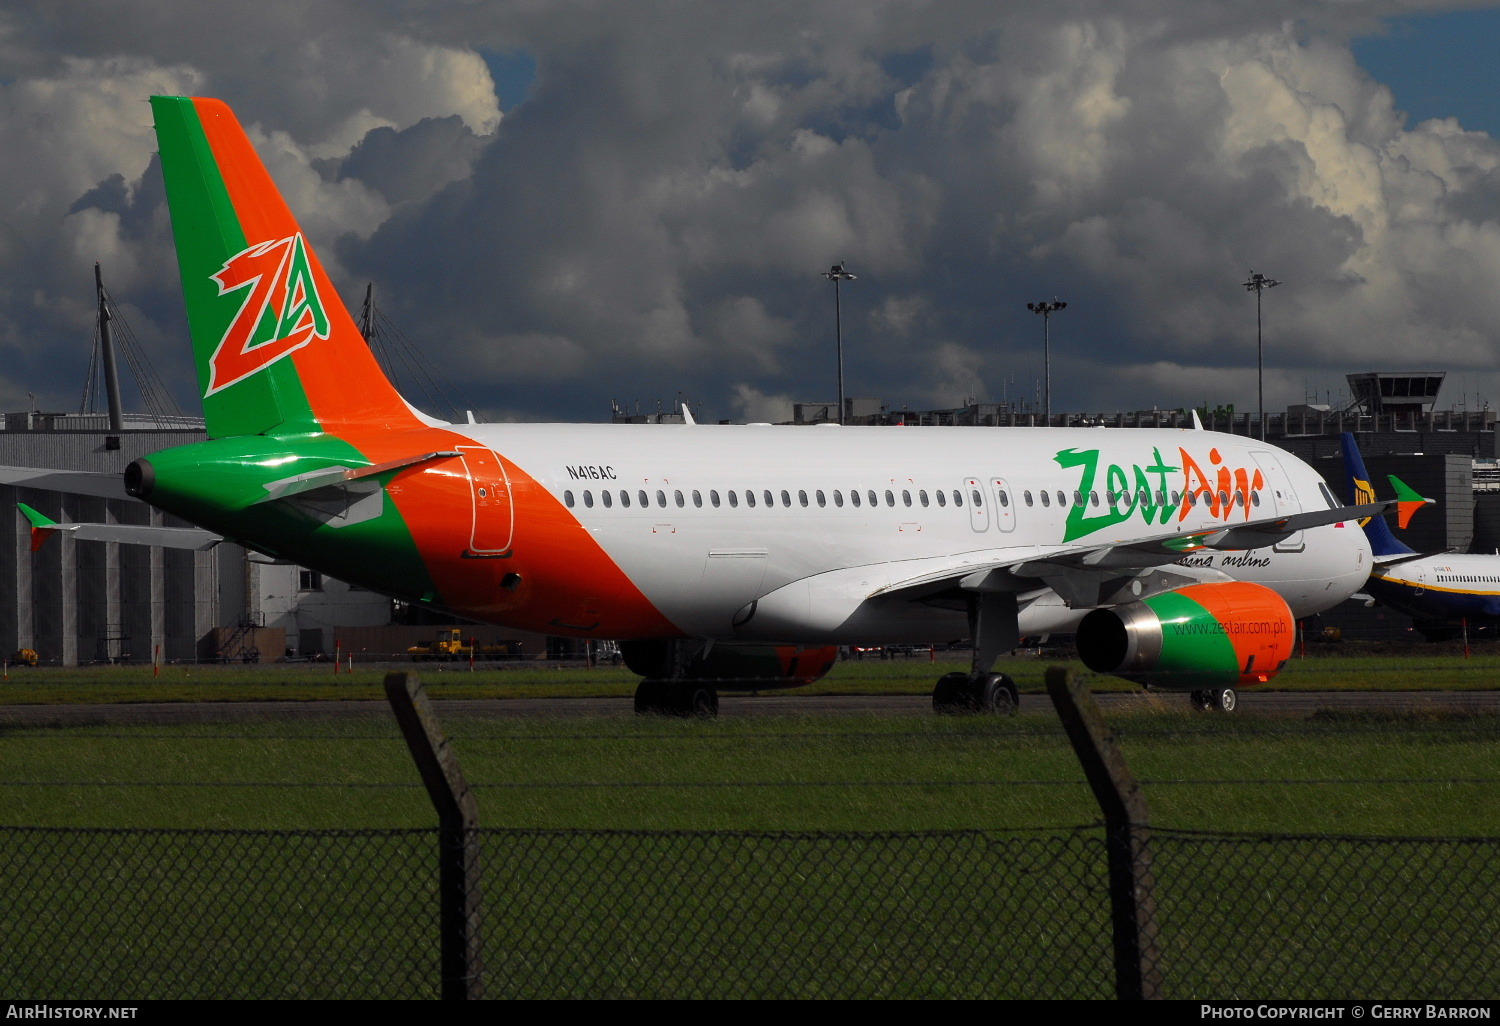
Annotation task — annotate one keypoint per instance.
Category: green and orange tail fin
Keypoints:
(276, 348)
(1408, 501)
(42, 526)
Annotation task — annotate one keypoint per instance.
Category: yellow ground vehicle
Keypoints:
(24, 657)
(449, 644)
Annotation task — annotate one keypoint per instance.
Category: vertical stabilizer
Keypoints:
(1360, 490)
(276, 349)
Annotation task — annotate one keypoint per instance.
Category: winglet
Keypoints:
(1197, 423)
(1407, 501)
(42, 527)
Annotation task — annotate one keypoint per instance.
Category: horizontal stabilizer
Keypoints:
(42, 527)
(312, 480)
(73, 482)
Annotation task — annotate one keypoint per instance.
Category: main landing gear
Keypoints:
(958, 693)
(994, 626)
(1215, 700)
(685, 698)
(667, 689)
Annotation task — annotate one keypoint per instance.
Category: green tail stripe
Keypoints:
(208, 232)
(1405, 492)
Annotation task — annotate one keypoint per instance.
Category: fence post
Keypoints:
(458, 835)
(1127, 835)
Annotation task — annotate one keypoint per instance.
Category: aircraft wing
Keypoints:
(1253, 534)
(43, 527)
(76, 482)
(1078, 572)
(1397, 558)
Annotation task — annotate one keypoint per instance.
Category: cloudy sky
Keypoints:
(564, 204)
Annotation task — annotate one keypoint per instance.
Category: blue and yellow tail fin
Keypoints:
(1360, 490)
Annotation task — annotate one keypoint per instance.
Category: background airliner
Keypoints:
(720, 556)
(1443, 586)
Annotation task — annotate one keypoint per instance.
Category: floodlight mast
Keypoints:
(836, 274)
(1258, 283)
(1046, 310)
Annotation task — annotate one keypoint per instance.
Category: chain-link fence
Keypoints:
(708, 915)
(130, 914)
(1275, 916)
(134, 914)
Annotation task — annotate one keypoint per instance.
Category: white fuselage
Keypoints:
(779, 533)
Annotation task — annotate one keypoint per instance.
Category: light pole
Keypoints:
(1258, 283)
(836, 274)
(1046, 310)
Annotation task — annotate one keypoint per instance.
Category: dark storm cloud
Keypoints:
(413, 163)
(653, 218)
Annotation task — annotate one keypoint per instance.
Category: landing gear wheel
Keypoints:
(676, 698)
(1202, 701)
(998, 694)
(698, 701)
(961, 693)
(652, 698)
(952, 694)
(1226, 700)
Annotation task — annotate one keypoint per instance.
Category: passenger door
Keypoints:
(1283, 500)
(489, 489)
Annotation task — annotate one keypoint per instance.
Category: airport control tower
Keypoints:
(1396, 392)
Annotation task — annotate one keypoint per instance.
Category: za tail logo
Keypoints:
(280, 314)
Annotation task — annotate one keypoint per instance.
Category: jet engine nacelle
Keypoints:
(1202, 636)
(731, 666)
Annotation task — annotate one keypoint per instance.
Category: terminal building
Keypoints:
(1388, 411)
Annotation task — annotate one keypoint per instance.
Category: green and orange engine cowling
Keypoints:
(1203, 636)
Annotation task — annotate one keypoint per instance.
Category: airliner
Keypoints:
(1440, 586)
(721, 557)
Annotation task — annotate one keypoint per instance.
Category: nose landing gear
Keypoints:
(1224, 700)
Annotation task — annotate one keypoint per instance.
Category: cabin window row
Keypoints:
(1145, 497)
(767, 497)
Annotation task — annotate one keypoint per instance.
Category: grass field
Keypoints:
(803, 856)
(1327, 668)
(1418, 775)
